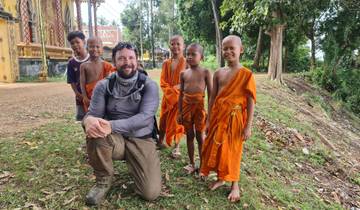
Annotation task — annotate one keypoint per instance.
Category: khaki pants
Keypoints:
(140, 155)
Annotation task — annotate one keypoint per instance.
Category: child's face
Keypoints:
(77, 45)
(176, 46)
(94, 48)
(193, 56)
(231, 50)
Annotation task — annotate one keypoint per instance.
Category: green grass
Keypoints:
(49, 168)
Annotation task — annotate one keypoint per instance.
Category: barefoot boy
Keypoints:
(170, 85)
(77, 42)
(232, 108)
(93, 70)
(193, 82)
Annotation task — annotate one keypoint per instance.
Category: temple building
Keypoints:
(21, 48)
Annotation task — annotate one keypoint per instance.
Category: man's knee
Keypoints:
(151, 192)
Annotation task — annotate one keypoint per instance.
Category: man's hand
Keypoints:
(94, 128)
(106, 126)
(247, 133)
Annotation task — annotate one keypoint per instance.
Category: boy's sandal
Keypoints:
(175, 154)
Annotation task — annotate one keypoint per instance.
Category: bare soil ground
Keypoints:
(28, 105)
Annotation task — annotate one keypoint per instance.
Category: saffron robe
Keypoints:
(89, 87)
(169, 105)
(193, 111)
(222, 149)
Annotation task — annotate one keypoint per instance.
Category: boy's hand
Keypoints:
(206, 127)
(86, 100)
(180, 119)
(247, 133)
(78, 96)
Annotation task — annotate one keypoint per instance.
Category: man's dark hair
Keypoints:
(75, 34)
(123, 45)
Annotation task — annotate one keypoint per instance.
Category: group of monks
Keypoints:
(231, 99)
(221, 130)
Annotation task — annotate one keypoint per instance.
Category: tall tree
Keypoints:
(215, 5)
(273, 15)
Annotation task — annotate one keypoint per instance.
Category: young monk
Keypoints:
(93, 70)
(170, 85)
(193, 82)
(231, 113)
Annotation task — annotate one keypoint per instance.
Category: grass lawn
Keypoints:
(48, 169)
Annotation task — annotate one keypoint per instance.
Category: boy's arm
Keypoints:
(181, 97)
(250, 116)
(209, 84)
(213, 93)
(71, 80)
(83, 80)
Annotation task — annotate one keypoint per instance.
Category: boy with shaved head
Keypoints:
(232, 105)
(192, 115)
(170, 85)
(93, 70)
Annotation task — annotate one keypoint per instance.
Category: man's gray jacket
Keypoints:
(129, 112)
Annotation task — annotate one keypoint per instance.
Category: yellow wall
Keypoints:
(10, 34)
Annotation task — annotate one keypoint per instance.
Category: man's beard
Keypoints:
(123, 75)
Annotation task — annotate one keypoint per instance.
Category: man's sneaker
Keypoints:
(98, 192)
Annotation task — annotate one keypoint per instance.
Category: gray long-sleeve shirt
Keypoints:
(130, 115)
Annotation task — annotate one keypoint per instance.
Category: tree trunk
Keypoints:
(311, 36)
(218, 32)
(95, 18)
(78, 14)
(152, 34)
(275, 63)
(258, 49)
(286, 52)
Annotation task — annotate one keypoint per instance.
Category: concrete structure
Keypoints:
(110, 35)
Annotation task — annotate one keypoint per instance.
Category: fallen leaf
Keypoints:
(45, 192)
(67, 202)
(67, 188)
(206, 200)
(245, 206)
(336, 197)
(167, 177)
(165, 194)
(124, 186)
(305, 151)
(6, 174)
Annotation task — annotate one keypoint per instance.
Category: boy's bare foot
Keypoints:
(190, 169)
(234, 195)
(176, 153)
(217, 184)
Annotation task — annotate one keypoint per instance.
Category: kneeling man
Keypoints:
(119, 126)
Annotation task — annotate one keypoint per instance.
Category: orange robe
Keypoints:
(169, 104)
(222, 149)
(193, 111)
(89, 87)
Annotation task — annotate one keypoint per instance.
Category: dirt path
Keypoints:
(28, 105)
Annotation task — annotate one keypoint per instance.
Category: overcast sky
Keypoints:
(110, 10)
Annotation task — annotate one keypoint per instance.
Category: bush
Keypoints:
(344, 85)
(210, 62)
